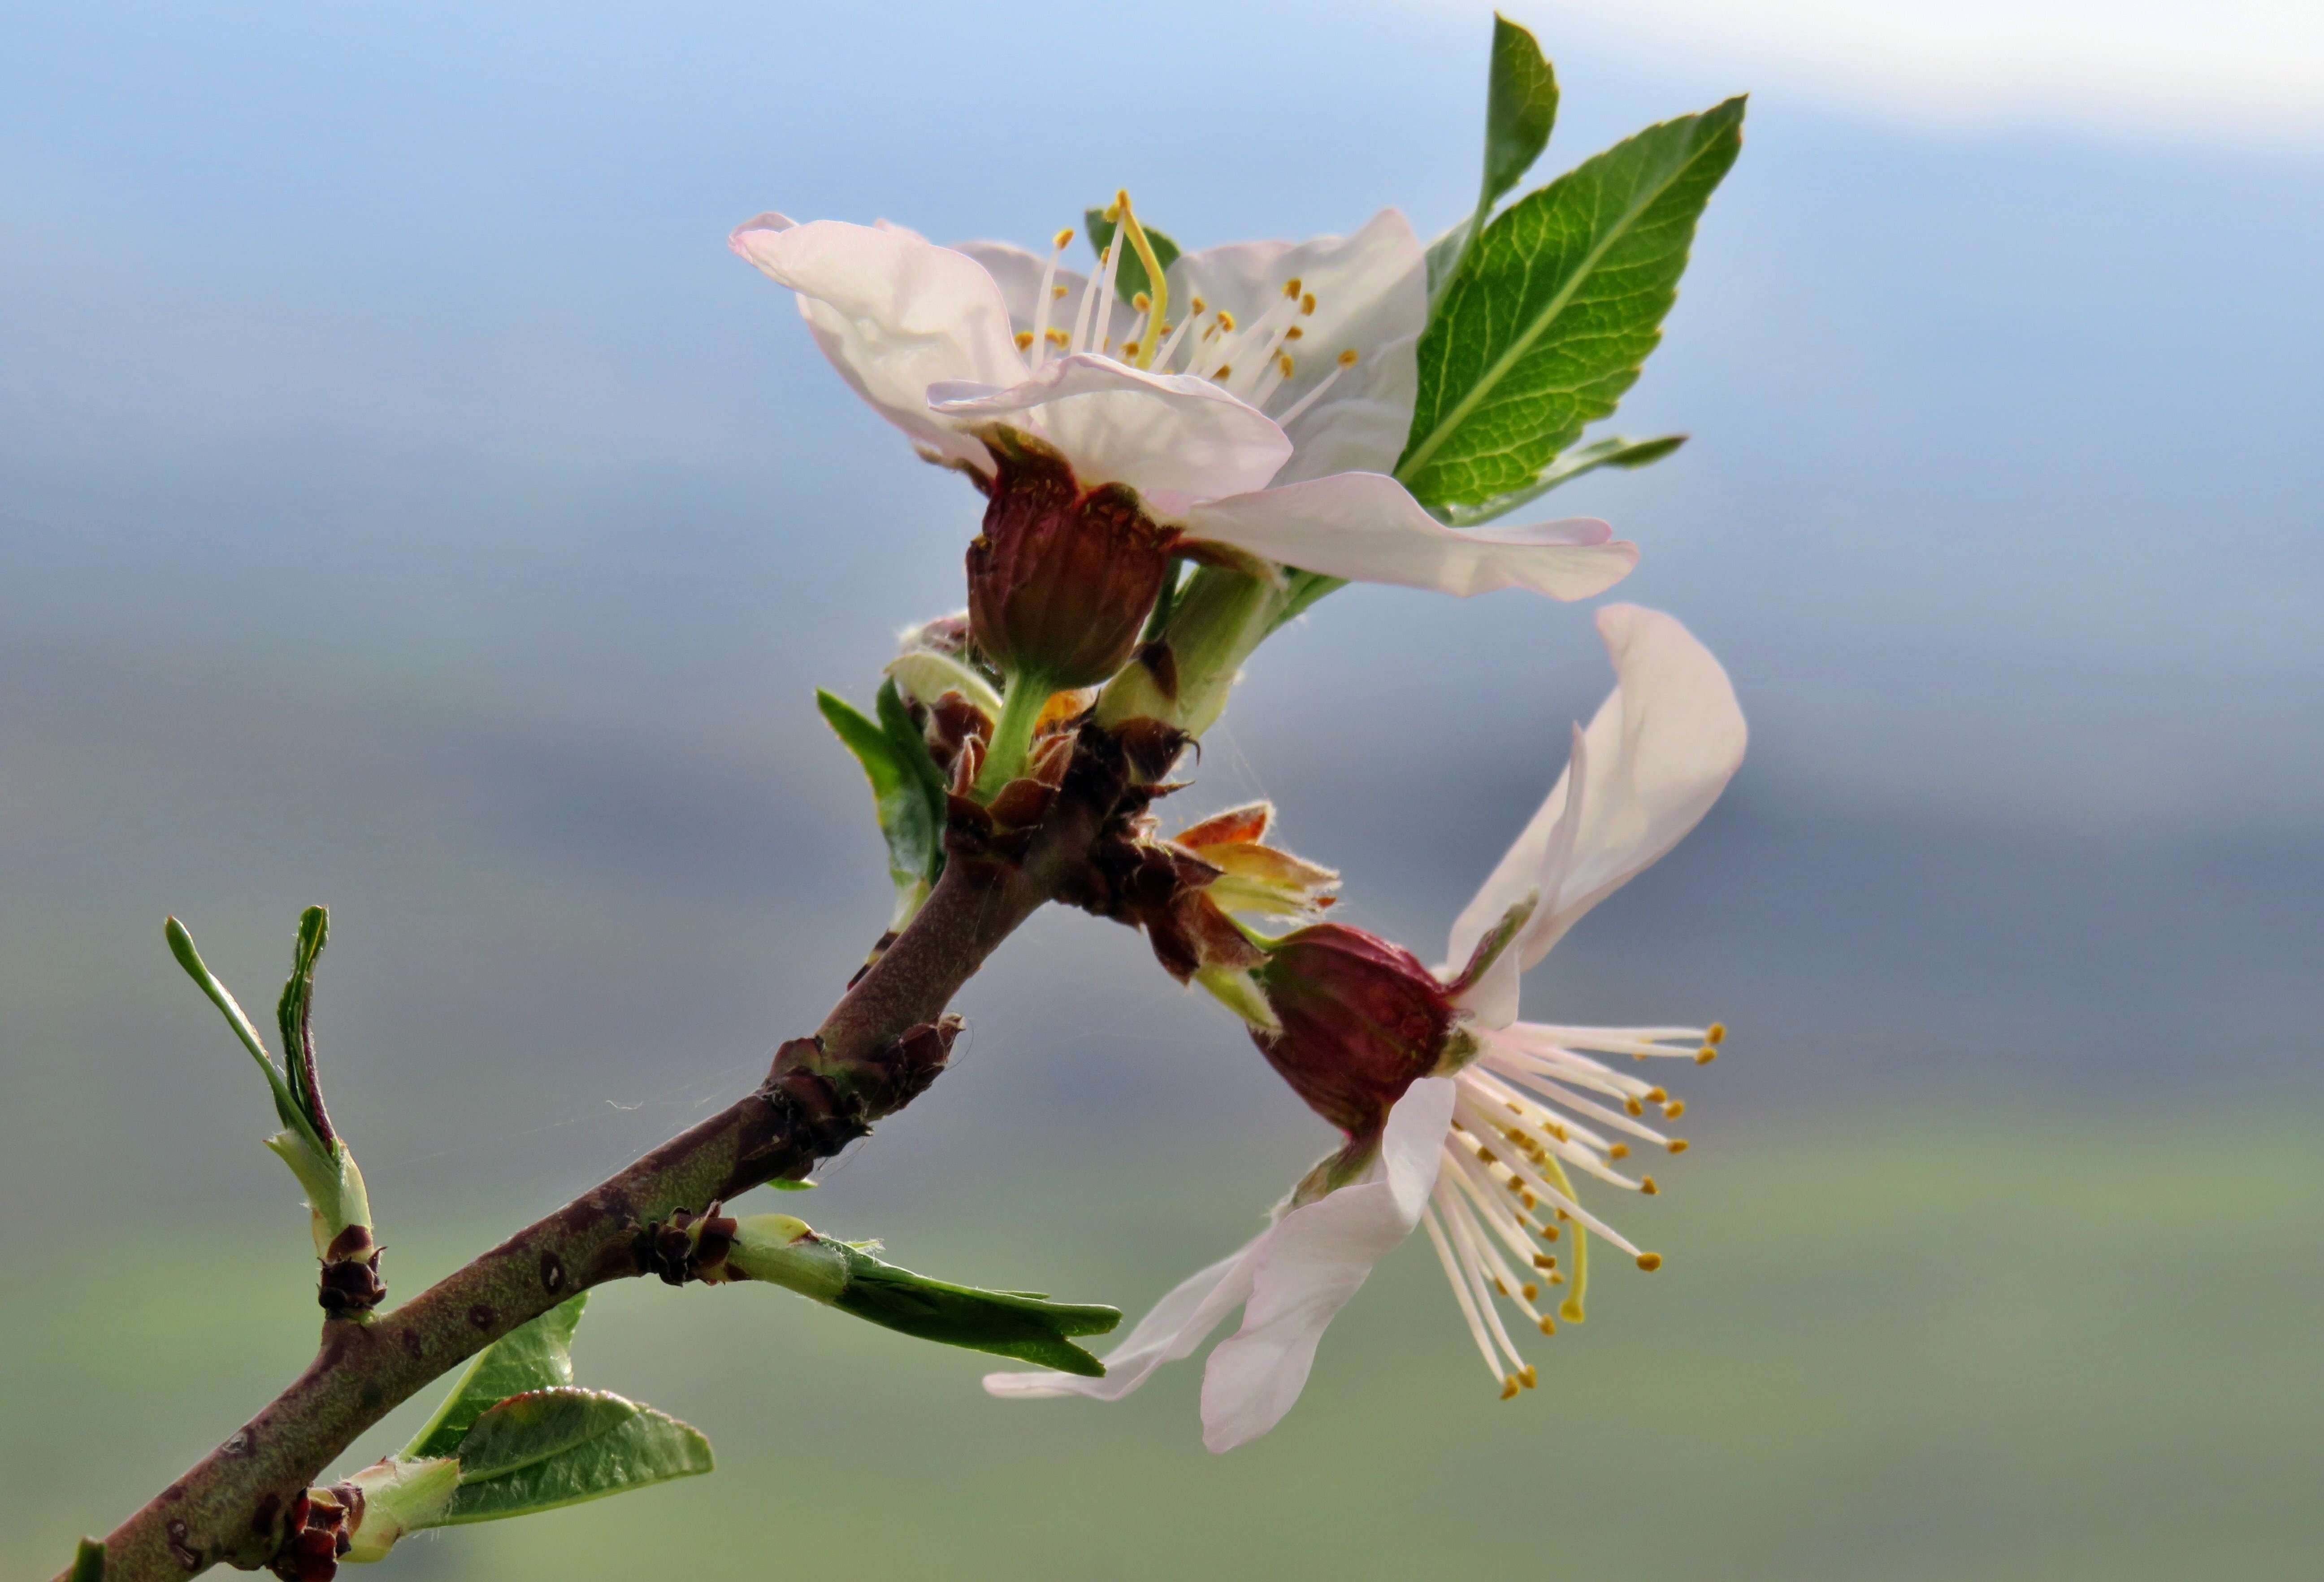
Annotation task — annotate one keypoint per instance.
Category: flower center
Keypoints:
(1259, 362)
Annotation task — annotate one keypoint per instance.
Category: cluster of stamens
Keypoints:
(1253, 362)
(1521, 1115)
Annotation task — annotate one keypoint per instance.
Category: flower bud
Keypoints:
(1061, 580)
(1360, 1019)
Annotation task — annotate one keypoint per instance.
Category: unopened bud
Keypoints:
(1061, 580)
(1360, 1019)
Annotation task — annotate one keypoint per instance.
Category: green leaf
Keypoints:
(1011, 1324)
(907, 788)
(1520, 108)
(294, 1016)
(785, 1185)
(88, 1562)
(1547, 323)
(1131, 278)
(286, 1105)
(538, 1355)
(911, 745)
(1613, 451)
(560, 1447)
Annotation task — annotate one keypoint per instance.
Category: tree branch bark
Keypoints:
(882, 1044)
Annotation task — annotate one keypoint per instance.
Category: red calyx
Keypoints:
(1361, 1018)
(1060, 580)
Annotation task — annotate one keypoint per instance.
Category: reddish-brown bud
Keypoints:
(1360, 1018)
(1061, 579)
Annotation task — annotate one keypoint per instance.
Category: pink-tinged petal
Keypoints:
(1371, 296)
(1019, 275)
(894, 313)
(1366, 528)
(1311, 1262)
(1655, 757)
(1178, 1323)
(1171, 437)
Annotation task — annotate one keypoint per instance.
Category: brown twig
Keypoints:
(882, 1044)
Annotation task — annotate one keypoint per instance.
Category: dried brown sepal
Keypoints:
(319, 1528)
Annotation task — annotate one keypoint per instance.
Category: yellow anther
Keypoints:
(1548, 1325)
(1223, 371)
(1284, 362)
(1556, 1278)
(1717, 1033)
(1619, 1151)
(1130, 351)
(1058, 293)
(1655, 1096)
(1198, 307)
(1634, 1106)
(1542, 1261)
(1291, 288)
(1530, 1377)
(1059, 337)
(1509, 1388)
(1294, 333)
(1678, 1145)
(1113, 209)
(1024, 339)
(1647, 1185)
(1347, 358)
(1307, 303)
(1486, 1155)
(1142, 302)
(1063, 239)
(1516, 1186)
(1705, 1055)
(1549, 1232)
(1674, 1109)
(1499, 1285)
(1226, 319)
(1530, 1289)
(1531, 1202)
(1650, 1262)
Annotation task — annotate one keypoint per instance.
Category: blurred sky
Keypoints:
(406, 501)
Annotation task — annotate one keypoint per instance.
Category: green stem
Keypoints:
(1012, 735)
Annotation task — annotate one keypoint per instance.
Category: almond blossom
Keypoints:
(1461, 1119)
(1259, 423)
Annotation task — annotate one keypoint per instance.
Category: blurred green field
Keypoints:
(1949, 1348)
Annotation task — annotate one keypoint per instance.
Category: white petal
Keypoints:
(1171, 437)
(1661, 749)
(1311, 1262)
(1177, 1324)
(894, 313)
(1365, 527)
(1371, 295)
(1018, 273)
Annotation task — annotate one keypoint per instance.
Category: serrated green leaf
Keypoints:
(560, 1447)
(89, 1561)
(1131, 278)
(294, 1018)
(1613, 451)
(1011, 1324)
(910, 819)
(1548, 320)
(1520, 108)
(538, 1355)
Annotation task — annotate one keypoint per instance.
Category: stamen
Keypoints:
(1650, 1262)
(1459, 1289)
(1090, 290)
(1049, 293)
(1024, 339)
(1307, 303)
